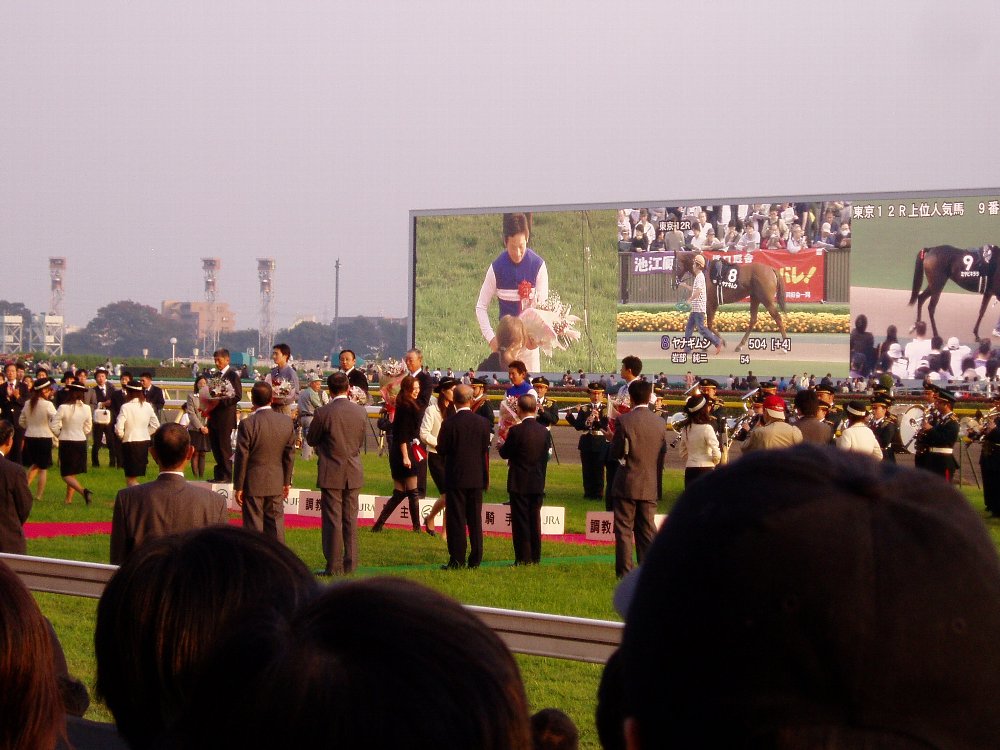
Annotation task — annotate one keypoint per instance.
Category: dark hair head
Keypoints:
(221, 353)
(285, 349)
(551, 729)
(936, 342)
(170, 443)
(166, 606)
(920, 328)
(310, 681)
(807, 402)
(861, 323)
(640, 391)
(31, 708)
(146, 374)
(338, 383)
(6, 431)
(609, 715)
(197, 380)
(518, 366)
(984, 346)
(348, 351)
(516, 224)
(405, 392)
(891, 334)
(815, 600)
(633, 364)
(261, 394)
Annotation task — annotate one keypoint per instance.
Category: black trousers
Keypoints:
(989, 466)
(219, 437)
(105, 432)
(464, 509)
(526, 527)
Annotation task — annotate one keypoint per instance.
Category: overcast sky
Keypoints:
(138, 137)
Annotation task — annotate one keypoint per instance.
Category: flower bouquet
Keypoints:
(281, 390)
(550, 324)
(216, 390)
(508, 418)
(617, 405)
(393, 372)
(357, 395)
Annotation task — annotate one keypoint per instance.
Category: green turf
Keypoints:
(884, 249)
(453, 253)
(573, 579)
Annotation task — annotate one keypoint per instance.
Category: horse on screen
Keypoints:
(973, 269)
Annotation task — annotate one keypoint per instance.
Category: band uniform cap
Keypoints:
(770, 385)
(759, 397)
(708, 383)
(41, 384)
(541, 380)
(826, 596)
(595, 387)
(883, 399)
(695, 403)
(775, 406)
(824, 388)
(477, 381)
(857, 408)
(945, 394)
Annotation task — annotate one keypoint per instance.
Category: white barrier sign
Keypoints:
(366, 506)
(292, 501)
(401, 515)
(496, 518)
(310, 503)
(601, 525)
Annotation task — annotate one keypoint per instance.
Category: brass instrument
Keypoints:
(975, 428)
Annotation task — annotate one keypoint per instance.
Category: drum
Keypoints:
(909, 425)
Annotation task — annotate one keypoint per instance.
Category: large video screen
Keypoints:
(777, 287)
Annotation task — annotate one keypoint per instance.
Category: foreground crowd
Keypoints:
(812, 607)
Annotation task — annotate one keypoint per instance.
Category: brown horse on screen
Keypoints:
(758, 281)
(974, 269)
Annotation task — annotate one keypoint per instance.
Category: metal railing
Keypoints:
(531, 633)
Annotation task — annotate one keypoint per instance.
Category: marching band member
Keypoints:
(834, 416)
(858, 436)
(592, 420)
(989, 460)
(930, 419)
(938, 437)
(884, 425)
(753, 420)
(548, 415)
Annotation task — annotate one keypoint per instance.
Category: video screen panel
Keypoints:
(623, 277)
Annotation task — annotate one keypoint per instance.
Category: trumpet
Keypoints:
(975, 428)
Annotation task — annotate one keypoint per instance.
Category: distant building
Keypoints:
(198, 315)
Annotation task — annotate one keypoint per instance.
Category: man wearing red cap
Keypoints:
(776, 432)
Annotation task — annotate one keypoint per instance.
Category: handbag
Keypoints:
(102, 415)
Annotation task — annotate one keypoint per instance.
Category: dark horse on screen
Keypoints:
(760, 282)
(973, 269)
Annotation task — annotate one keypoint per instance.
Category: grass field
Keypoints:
(573, 579)
(453, 253)
(884, 249)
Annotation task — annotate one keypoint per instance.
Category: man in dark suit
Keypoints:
(337, 432)
(102, 393)
(154, 394)
(464, 443)
(641, 441)
(13, 396)
(527, 451)
(355, 377)
(222, 418)
(262, 467)
(15, 498)
(166, 505)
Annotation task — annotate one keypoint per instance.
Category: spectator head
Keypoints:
(632, 365)
(861, 323)
(147, 379)
(937, 342)
(551, 729)
(984, 346)
(199, 381)
(304, 681)
(807, 403)
(527, 404)
(281, 353)
(166, 606)
(414, 360)
(81, 376)
(409, 389)
(639, 391)
(609, 715)
(821, 610)
(6, 436)
(856, 411)
(261, 394)
(338, 383)
(31, 708)
(347, 359)
(221, 357)
(462, 395)
(774, 409)
(920, 328)
(171, 446)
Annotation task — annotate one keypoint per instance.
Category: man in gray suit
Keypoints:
(262, 465)
(338, 433)
(15, 498)
(164, 506)
(640, 443)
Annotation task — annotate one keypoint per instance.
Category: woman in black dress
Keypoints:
(402, 462)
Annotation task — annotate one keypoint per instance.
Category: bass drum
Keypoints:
(909, 425)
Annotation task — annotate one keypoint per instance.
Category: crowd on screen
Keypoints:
(787, 227)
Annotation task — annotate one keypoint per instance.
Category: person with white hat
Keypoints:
(958, 352)
(698, 302)
(858, 436)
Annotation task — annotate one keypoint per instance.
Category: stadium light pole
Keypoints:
(173, 351)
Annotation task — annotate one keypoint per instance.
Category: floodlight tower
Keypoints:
(211, 267)
(49, 327)
(265, 332)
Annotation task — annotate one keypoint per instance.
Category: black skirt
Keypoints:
(199, 441)
(72, 457)
(37, 452)
(435, 465)
(398, 471)
(136, 456)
